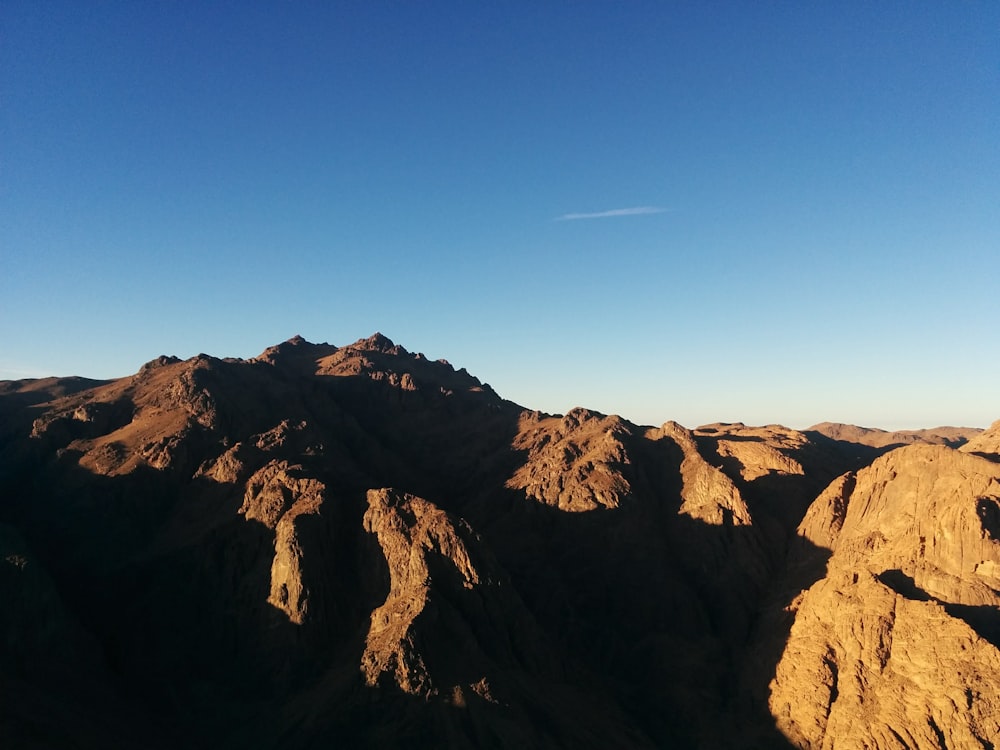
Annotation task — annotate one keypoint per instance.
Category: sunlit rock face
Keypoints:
(985, 444)
(357, 545)
(574, 463)
(897, 644)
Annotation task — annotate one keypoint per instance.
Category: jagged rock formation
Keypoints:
(897, 644)
(359, 545)
(574, 463)
(986, 444)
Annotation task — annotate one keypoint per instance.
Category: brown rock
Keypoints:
(410, 531)
(876, 438)
(278, 496)
(709, 494)
(868, 667)
(897, 644)
(574, 463)
(986, 444)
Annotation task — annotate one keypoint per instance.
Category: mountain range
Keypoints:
(358, 546)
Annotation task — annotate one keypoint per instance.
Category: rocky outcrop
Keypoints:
(896, 645)
(824, 519)
(448, 621)
(453, 631)
(709, 494)
(755, 452)
(930, 513)
(279, 497)
(779, 471)
(866, 666)
(574, 463)
(986, 444)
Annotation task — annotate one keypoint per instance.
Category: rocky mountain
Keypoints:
(875, 438)
(862, 445)
(896, 644)
(359, 546)
(986, 443)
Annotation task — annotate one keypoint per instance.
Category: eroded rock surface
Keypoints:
(896, 645)
(986, 444)
(574, 462)
(447, 603)
(359, 545)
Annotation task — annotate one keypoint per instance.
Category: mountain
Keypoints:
(875, 438)
(360, 546)
(986, 444)
(862, 445)
(897, 643)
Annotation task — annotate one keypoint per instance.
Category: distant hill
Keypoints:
(875, 438)
(358, 546)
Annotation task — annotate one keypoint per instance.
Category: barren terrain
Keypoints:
(357, 546)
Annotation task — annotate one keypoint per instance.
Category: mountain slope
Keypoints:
(897, 644)
(360, 545)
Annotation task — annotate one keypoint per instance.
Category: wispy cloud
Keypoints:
(634, 211)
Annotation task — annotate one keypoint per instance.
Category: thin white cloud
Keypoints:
(635, 211)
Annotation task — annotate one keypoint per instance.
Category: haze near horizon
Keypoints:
(778, 214)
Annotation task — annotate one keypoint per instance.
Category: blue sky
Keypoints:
(765, 212)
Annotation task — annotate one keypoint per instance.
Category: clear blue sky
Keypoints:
(819, 236)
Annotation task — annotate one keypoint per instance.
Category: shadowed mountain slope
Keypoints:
(360, 546)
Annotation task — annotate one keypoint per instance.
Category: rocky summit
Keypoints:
(361, 547)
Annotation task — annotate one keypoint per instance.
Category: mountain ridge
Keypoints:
(360, 543)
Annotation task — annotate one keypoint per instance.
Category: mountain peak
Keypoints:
(295, 349)
(378, 342)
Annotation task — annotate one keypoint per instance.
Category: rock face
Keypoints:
(574, 463)
(358, 545)
(449, 619)
(896, 646)
(986, 444)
